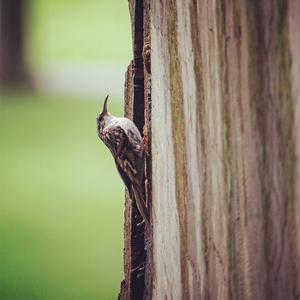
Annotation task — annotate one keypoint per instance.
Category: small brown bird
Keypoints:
(124, 141)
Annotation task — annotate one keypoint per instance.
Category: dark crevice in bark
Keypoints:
(137, 107)
(147, 131)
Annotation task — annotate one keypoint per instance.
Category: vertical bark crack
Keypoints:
(137, 108)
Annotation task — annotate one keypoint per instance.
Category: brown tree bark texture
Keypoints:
(226, 149)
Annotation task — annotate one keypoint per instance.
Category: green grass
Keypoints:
(61, 202)
(73, 31)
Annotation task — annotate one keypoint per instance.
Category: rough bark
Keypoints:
(225, 149)
(13, 69)
(223, 175)
(137, 253)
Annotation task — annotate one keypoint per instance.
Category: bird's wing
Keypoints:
(126, 150)
(125, 178)
(136, 193)
(125, 147)
(140, 203)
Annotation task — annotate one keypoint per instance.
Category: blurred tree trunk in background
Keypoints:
(13, 71)
(225, 149)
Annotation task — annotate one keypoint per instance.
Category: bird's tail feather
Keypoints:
(140, 203)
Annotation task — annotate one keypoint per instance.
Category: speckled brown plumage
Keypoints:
(124, 141)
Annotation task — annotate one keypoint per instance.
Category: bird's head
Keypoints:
(103, 116)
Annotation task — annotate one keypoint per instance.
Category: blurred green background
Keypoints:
(61, 199)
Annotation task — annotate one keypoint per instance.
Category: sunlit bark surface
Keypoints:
(225, 149)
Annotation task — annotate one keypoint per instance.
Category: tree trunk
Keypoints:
(13, 71)
(225, 127)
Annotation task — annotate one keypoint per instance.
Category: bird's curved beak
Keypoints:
(104, 110)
